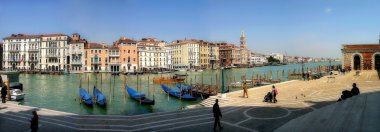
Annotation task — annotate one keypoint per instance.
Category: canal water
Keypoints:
(60, 92)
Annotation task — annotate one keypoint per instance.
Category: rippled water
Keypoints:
(60, 92)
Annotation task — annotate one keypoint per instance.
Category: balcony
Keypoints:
(14, 60)
(33, 60)
(33, 50)
(14, 50)
(114, 63)
(52, 55)
(96, 63)
(76, 62)
(114, 55)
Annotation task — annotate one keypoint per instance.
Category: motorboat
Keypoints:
(16, 94)
(13, 77)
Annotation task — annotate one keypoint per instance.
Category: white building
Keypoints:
(53, 52)
(21, 51)
(152, 57)
(258, 60)
(76, 54)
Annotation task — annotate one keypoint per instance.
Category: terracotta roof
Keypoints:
(113, 47)
(52, 35)
(362, 46)
(95, 46)
(22, 36)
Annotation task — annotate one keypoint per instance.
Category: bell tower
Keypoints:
(242, 40)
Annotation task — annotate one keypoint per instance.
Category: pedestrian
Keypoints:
(354, 90)
(274, 94)
(34, 122)
(3, 93)
(307, 76)
(245, 89)
(303, 76)
(217, 114)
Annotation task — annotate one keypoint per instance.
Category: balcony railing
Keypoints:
(33, 50)
(52, 55)
(14, 50)
(32, 60)
(76, 62)
(95, 62)
(114, 63)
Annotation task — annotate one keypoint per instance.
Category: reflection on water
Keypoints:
(60, 92)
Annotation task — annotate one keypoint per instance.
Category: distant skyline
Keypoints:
(305, 28)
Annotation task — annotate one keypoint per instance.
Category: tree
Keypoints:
(271, 59)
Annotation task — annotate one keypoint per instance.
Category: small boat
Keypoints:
(185, 87)
(99, 97)
(177, 93)
(139, 96)
(115, 73)
(174, 79)
(16, 94)
(85, 97)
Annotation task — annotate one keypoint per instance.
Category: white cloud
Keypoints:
(328, 10)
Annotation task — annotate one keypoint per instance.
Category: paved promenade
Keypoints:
(296, 98)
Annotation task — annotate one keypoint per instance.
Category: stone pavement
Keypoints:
(296, 98)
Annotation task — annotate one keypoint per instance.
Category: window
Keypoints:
(129, 51)
(100, 51)
(129, 59)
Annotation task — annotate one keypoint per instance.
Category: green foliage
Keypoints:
(271, 59)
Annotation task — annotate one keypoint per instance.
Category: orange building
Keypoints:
(96, 57)
(128, 54)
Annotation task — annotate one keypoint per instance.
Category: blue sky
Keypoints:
(314, 28)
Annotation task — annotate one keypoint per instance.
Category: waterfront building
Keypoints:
(169, 57)
(128, 54)
(258, 59)
(361, 56)
(21, 51)
(152, 54)
(185, 54)
(96, 57)
(75, 59)
(227, 54)
(114, 59)
(204, 55)
(53, 52)
(213, 56)
(2, 56)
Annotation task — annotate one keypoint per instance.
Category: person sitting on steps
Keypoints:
(354, 90)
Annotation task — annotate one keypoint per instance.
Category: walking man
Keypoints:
(217, 114)
(34, 122)
(3, 93)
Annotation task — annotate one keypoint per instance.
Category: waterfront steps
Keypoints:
(358, 113)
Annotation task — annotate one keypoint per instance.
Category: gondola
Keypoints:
(99, 97)
(85, 97)
(115, 73)
(140, 97)
(185, 87)
(177, 93)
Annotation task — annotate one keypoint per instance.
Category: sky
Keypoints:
(315, 28)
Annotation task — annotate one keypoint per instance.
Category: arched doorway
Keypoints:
(377, 61)
(357, 62)
(13, 66)
(32, 66)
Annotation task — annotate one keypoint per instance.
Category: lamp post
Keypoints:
(223, 88)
